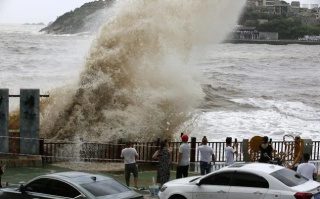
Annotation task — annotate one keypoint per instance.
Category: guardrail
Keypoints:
(110, 152)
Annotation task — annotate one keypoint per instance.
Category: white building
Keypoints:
(305, 6)
(312, 6)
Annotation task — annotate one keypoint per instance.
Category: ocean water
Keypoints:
(163, 76)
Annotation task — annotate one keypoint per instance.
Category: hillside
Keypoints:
(87, 18)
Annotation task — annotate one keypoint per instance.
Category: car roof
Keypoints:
(254, 166)
(78, 177)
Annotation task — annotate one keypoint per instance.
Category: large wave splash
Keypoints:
(139, 81)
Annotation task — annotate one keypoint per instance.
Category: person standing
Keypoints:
(307, 169)
(265, 150)
(163, 155)
(230, 151)
(130, 156)
(183, 158)
(206, 157)
(2, 169)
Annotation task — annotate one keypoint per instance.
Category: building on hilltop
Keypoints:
(318, 14)
(295, 4)
(269, 2)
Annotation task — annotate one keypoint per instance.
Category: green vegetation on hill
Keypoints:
(74, 21)
(288, 28)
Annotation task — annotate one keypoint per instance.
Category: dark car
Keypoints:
(78, 185)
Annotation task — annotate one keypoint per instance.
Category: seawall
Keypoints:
(271, 42)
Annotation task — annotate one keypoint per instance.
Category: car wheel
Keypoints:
(177, 197)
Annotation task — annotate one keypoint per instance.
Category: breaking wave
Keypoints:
(140, 81)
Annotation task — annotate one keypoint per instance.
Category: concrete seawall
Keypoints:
(271, 42)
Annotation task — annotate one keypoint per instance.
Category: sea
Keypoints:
(145, 81)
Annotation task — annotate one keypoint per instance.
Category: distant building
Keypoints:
(293, 10)
(305, 6)
(295, 4)
(255, 2)
(268, 35)
(268, 2)
(312, 6)
(242, 32)
(317, 14)
(280, 8)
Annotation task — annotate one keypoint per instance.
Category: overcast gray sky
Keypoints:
(36, 11)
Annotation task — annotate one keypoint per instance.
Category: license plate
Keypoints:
(317, 196)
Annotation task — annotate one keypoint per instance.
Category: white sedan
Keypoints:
(243, 181)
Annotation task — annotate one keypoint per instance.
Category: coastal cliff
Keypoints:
(88, 18)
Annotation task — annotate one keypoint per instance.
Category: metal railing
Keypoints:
(110, 152)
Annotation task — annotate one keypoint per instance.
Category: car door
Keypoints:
(45, 188)
(30, 190)
(246, 185)
(214, 186)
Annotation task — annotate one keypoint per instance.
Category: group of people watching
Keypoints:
(207, 158)
(163, 155)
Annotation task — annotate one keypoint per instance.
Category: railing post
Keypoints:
(4, 121)
(119, 149)
(245, 150)
(41, 146)
(193, 149)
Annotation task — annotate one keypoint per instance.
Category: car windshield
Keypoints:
(106, 187)
(289, 177)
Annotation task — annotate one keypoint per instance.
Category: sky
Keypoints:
(36, 11)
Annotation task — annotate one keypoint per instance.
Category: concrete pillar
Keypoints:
(4, 121)
(29, 121)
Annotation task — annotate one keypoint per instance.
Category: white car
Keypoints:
(243, 181)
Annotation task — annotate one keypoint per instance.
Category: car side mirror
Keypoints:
(22, 188)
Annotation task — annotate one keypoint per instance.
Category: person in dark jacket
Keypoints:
(265, 150)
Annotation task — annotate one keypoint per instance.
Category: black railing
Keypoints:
(110, 152)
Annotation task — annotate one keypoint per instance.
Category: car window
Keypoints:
(249, 180)
(106, 187)
(59, 188)
(218, 179)
(289, 177)
(37, 185)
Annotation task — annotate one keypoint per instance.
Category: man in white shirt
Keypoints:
(183, 158)
(307, 169)
(206, 157)
(130, 156)
(230, 151)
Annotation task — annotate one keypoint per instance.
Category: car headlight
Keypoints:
(163, 188)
